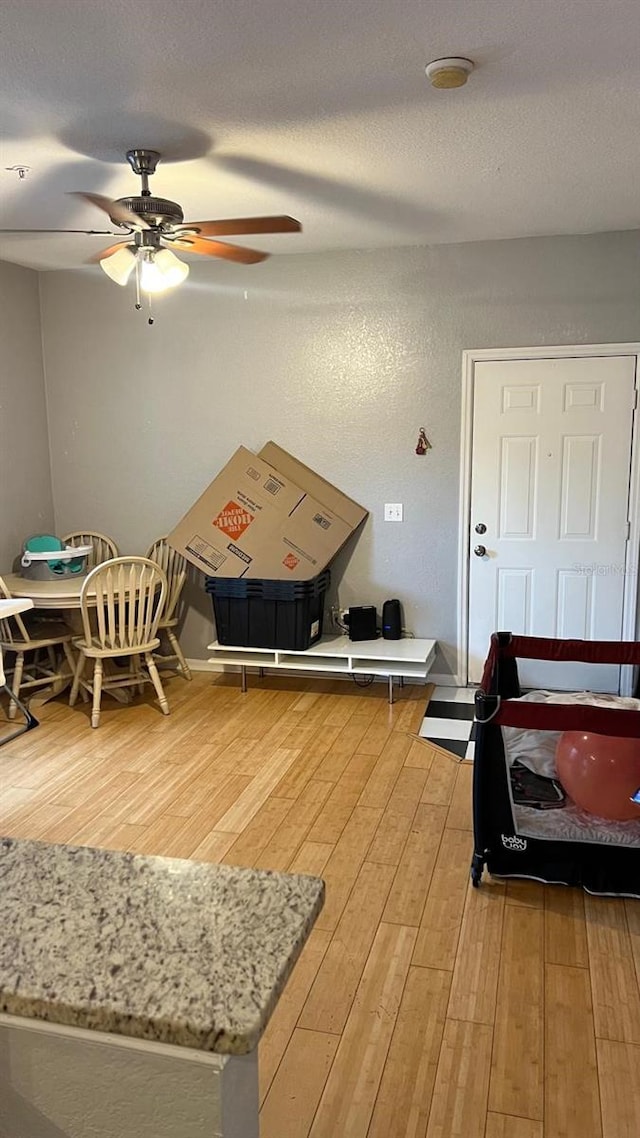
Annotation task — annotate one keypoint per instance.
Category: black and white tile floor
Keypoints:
(448, 721)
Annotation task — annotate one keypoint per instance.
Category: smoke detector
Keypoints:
(447, 73)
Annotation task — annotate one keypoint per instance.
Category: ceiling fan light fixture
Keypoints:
(161, 269)
(119, 266)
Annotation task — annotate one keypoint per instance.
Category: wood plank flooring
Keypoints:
(420, 1008)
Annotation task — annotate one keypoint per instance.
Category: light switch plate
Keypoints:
(393, 511)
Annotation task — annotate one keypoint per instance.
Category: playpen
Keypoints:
(524, 823)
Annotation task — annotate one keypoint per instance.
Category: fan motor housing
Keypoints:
(157, 211)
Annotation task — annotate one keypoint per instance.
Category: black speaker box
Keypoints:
(391, 620)
(363, 622)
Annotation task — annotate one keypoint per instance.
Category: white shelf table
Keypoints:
(408, 659)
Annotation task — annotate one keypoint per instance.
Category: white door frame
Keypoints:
(630, 621)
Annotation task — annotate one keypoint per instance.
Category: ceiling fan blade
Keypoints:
(239, 225)
(97, 257)
(116, 211)
(87, 232)
(190, 244)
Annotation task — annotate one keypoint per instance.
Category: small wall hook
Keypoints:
(423, 443)
(21, 171)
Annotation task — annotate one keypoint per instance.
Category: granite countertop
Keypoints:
(179, 952)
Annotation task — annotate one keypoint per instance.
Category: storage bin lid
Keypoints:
(269, 590)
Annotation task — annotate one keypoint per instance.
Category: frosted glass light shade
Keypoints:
(119, 266)
(162, 270)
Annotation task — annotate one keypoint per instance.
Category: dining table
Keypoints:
(61, 593)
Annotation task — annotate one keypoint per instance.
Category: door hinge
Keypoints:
(627, 534)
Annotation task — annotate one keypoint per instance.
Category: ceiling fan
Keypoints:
(155, 226)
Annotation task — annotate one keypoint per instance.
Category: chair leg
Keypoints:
(71, 661)
(97, 693)
(184, 667)
(139, 673)
(68, 658)
(155, 679)
(68, 655)
(58, 682)
(79, 668)
(18, 669)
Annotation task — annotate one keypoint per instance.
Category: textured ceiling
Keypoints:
(321, 109)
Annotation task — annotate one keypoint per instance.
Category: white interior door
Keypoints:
(550, 482)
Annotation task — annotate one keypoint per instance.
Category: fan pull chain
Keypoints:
(150, 319)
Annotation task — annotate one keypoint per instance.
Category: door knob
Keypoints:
(481, 528)
(480, 550)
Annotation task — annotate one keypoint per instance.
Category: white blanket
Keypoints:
(537, 751)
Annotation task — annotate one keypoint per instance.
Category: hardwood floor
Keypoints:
(420, 1008)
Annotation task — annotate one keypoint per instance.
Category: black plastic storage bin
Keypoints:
(269, 614)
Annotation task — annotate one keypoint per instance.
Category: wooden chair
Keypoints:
(104, 548)
(30, 643)
(129, 594)
(11, 608)
(175, 567)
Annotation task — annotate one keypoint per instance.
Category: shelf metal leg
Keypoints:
(401, 681)
(30, 720)
(390, 689)
(243, 678)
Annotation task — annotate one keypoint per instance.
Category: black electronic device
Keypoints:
(362, 622)
(531, 789)
(392, 620)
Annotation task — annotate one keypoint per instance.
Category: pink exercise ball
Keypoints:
(600, 773)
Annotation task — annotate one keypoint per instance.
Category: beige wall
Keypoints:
(25, 479)
(339, 357)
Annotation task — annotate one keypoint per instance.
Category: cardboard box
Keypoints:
(314, 485)
(257, 520)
